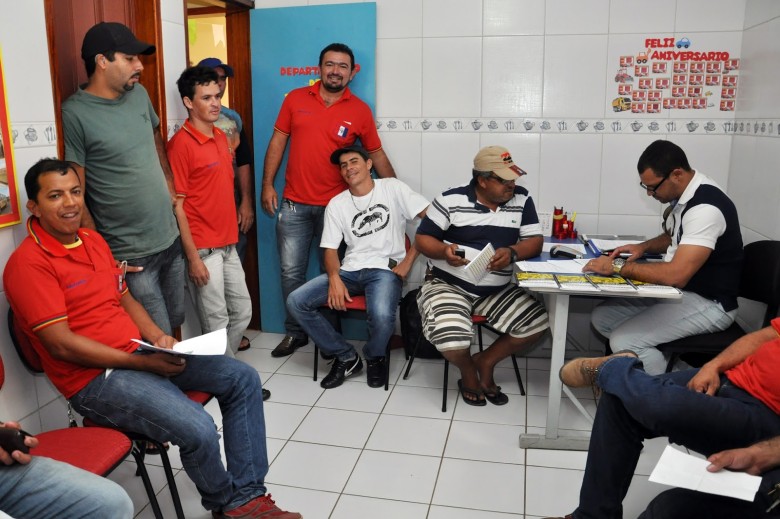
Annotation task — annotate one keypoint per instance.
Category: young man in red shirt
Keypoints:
(202, 164)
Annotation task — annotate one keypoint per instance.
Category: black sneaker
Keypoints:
(288, 345)
(266, 394)
(340, 370)
(375, 374)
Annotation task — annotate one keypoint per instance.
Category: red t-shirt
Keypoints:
(203, 174)
(47, 283)
(757, 374)
(315, 132)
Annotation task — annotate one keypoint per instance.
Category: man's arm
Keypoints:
(63, 344)
(382, 164)
(707, 380)
(197, 270)
(338, 295)
(246, 213)
(166, 167)
(687, 260)
(756, 459)
(86, 216)
(271, 163)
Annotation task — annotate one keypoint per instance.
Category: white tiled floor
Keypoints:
(356, 452)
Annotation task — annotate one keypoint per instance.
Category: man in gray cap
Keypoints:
(113, 139)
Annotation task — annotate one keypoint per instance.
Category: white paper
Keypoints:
(678, 469)
(571, 266)
(476, 270)
(213, 343)
(608, 245)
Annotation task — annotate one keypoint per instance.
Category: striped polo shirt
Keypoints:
(456, 216)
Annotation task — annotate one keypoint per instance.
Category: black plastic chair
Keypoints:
(760, 281)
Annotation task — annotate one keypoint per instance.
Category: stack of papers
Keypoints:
(536, 280)
(213, 343)
(612, 283)
(579, 282)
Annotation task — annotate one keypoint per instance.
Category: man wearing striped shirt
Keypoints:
(490, 209)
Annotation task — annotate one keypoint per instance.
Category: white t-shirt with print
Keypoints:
(372, 226)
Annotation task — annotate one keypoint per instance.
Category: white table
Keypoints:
(557, 302)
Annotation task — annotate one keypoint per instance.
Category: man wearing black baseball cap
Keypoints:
(113, 139)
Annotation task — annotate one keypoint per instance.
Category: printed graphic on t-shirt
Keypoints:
(370, 220)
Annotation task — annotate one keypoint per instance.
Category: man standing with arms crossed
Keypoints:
(113, 139)
(323, 117)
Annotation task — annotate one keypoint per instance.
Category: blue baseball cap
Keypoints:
(216, 62)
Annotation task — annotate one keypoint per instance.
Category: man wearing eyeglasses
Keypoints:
(490, 209)
(702, 248)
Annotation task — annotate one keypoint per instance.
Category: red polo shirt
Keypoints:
(203, 174)
(48, 283)
(757, 374)
(316, 131)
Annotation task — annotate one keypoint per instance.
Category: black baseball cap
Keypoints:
(112, 36)
(335, 157)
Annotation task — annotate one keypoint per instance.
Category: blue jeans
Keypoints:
(382, 289)
(639, 325)
(635, 406)
(224, 301)
(45, 488)
(159, 287)
(681, 503)
(155, 406)
(297, 225)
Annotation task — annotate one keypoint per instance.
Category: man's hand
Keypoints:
(601, 265)
(755, 460)
(269, 200)
(165, 341)
(500, 259)
(451, 258)
(163, 364)
(9, 458)
(338, 295)
(246, 216)
(707, 380)
(402, 269)
(636, 250)
(199, 274)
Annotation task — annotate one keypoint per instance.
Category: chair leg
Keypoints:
(517, 374)
(171, 481)
(138, 454)
(444, 389)
(411, 357)
(479, 336)
(672, 359)
(316, 361)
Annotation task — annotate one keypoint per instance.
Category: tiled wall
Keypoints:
(478, 61)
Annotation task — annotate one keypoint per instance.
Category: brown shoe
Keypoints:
(582, 372)
(261, 507)
(288, 345)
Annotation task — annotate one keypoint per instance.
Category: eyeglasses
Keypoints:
(493, 176)
(653, 189)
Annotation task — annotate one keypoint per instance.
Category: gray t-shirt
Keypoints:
(113, 139)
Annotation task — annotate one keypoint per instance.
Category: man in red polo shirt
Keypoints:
(202, 164)
(317, 120)
(71, 300)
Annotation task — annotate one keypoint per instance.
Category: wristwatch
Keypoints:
(513, 256)
(618, 264)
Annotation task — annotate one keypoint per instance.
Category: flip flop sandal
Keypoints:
(245, 344)
(496, 397)
(464, 392)
(152, 450)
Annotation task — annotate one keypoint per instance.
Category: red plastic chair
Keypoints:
(96, 450)
(138, 442)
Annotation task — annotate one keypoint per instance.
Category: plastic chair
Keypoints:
(137, 441)
(760, 281)
(478, 321)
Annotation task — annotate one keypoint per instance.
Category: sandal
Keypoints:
(465, 392)
(245, 344)
(495, 396)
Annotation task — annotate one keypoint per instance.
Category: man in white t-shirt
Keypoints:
(370, 218)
